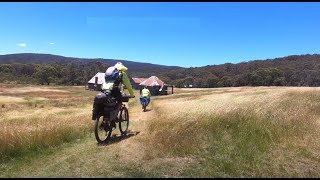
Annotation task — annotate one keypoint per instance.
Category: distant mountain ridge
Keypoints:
(25, 58)
(293, 70)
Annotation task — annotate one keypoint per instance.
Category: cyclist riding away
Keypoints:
(145, 93)
(115, 76)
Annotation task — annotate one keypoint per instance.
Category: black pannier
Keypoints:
(106, 99)
(100, 98)
(103, 103)
(124, 98)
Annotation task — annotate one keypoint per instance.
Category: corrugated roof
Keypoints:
(100, 78)
(138, 80)
(152, 81)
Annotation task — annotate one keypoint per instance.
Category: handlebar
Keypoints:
(126, 96)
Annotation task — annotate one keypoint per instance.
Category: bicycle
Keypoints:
(106, 113)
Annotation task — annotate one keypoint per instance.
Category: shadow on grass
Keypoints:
(147, 110)
(118, 137)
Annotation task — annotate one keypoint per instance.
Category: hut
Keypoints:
(136, 81)
(96, 81)
(156, 86)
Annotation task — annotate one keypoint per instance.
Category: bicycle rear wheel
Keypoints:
(144, 106)
(102, 130)
(124, 120)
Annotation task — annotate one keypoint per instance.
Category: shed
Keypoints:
(96, 81)
(154, 84)
(136, 81)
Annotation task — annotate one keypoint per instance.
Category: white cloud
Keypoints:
(22, 44)
(52, 43)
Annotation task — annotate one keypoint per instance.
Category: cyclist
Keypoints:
(145, 93)
(115, 76)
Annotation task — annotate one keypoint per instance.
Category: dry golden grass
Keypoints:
(18, 90)
(37, 117)
(221, 132)
(8, 99)
(240, 132)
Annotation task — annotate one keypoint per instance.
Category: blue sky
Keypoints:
(183, 34)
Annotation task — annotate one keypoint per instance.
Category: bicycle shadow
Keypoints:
(118, 137)
(148, 110)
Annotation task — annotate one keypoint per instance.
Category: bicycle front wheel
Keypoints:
(102, 129)
(124, 121)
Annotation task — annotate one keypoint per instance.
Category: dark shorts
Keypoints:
(147, 98)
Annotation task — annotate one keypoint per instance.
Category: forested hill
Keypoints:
(47, 68)
(25, 58)
(296, 70)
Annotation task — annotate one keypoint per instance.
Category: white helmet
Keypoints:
(120, 66)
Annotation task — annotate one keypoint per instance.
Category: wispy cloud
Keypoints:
(22, 44)
(51, 43)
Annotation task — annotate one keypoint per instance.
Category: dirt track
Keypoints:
(85, 158)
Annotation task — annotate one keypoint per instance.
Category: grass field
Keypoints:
(240, 132)
(35, 117)
(47, 131)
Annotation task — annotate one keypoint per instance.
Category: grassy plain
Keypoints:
(47, 131)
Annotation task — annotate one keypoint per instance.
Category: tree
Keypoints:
(45, 74)
(279, 81)
(241, 80)
(188, 80)
(226, 81)
(200, 83)
(212, 81)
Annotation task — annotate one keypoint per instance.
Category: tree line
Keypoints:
(72, 73)
(298, 70)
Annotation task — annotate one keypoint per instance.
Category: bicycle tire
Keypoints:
(144, 106)
(105, 127)
(124, 118)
